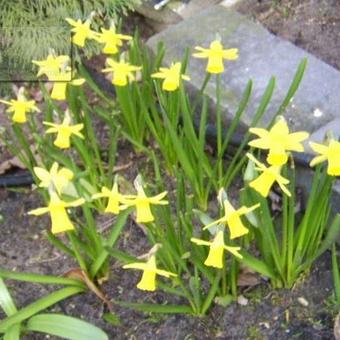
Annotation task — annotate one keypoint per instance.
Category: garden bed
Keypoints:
(306, 311)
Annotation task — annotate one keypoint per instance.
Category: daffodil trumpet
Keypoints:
(232, 219)
(60, 220)
(278, 140)
(216, 251)
(150, 270)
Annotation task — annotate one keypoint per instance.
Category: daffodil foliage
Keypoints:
(196, 245)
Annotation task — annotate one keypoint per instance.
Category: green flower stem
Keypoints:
(219, 128)
(233, 276)
(73, 240)
(200, 93)
(291, 228)
(224, 277)
(114, 133)
(91, 134)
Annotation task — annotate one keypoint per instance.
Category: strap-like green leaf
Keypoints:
(38, 278)
(13, 332)
(66, 327)
(38, 306)
(153, 308)
(6, 301)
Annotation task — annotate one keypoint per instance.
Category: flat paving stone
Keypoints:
(262, 55)
(316, 106)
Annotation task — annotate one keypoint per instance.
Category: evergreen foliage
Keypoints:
(29, 29)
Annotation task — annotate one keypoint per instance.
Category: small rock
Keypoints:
(241, 300)
(302, 301)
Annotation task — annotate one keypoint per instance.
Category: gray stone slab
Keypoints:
(316, 106)
(261, 55)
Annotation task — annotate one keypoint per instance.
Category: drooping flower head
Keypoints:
(20, 107)
(278, 141)
(269, 176)
(58, 71)
(114, 199)
(122, 71)
(111, 39)
(58, 179)
(57, 208)
(171, 76)
(61, 83)
(143, 203)
(52, 66)
(64, 131)
(150, 270)
(217, 248)
(232, 219)
(329, 153)
(215, 54)
(81, 30)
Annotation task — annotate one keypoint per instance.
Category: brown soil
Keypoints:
(313, 25)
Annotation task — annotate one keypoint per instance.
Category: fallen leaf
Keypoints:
(248, 278)
(11, 163)
(337, 327)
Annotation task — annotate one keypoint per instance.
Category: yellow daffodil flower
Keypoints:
(111, 39)
(171, 76)
(150, 270)
(115, 198)
(264, 182)
(57, 209)
(52, 66)
(232, 219)
(122, 72)
(64, 132)
(59, 179)
(215, 54)
(81, 30)
(20, 107)
(217, 247)
(278, 140)
(60, 85)
(331, 153)
(143, 203)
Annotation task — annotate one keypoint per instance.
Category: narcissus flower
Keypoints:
(171, 76)
(215, 54)
(278, 140)
(217, 248)
(60, 85)
(59, 179)
(115, 198)
(64, 132)
(20, 107)
(57, 209)
(52, 66)
(232, 219)
(122, 72)
(150, 270)
(269, 176)
(331, 153)
(81, 30)
(143, 203)
(111, 39)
